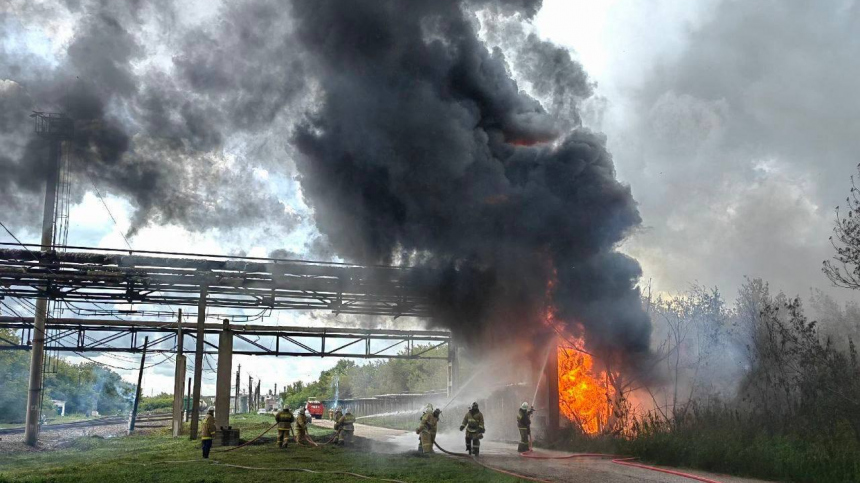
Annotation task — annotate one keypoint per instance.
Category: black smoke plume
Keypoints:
(424, 149)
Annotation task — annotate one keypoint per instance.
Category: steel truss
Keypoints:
(96, 275)
(85, 335)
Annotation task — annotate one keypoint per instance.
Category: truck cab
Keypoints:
(315, 408)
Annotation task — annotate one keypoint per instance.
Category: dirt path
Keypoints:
(504, 455)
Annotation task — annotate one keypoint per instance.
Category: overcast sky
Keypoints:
(735, 123)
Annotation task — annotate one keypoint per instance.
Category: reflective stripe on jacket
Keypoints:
(285, 419)
(208, 427)
(474, 423)
(345, 423)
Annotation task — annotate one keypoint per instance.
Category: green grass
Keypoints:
(722, 444)
(160, 458)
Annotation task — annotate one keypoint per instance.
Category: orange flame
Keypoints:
(584, 397)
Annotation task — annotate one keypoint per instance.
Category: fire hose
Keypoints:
(498, 470)
(307, 438)
(247, 442)
(293, 469)
(619, 460)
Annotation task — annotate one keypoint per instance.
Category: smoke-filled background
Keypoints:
(465, 136)
(411, 142)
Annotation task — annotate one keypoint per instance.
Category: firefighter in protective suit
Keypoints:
(473, 423)
(427, 428)
(524, 424)
(207, 433)
(301, 426)
(345, 428)
(285, 425)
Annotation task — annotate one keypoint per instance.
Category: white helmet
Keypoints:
(524, 405)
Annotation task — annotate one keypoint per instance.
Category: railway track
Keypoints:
(140, 422)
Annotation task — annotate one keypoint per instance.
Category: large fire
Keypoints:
(585, 397)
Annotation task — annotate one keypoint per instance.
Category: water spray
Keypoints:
(462, 386)
(541, 374)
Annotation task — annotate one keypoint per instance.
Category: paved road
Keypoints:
(504, 455)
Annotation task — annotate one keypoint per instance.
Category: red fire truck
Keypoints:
(315, 408)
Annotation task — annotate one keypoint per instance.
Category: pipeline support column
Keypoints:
(37, 353)
(222, 384)
(198, 362)
(179, 380)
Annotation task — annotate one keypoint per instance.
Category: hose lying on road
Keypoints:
(619, 460)
(276, 468)
(627, 462)
(498, 470)
(305, 470)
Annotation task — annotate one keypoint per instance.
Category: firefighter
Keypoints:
(301, 426)
(473, 423)
(524, 424)
(345, 428)
(427, 428)
(208, 432)
(437, 413)
(285, 425)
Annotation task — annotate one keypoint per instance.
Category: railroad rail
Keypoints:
(88, 423)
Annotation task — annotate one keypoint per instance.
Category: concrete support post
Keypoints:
(198, 363)
(551, 377)
(179, 380)
(453, 369)
(225, 371)
(37, 353)
(178, 393)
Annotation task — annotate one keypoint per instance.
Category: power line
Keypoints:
(99, 194)
(17, 240)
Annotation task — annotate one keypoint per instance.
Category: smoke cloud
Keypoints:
(410, 140)
(424, 149)
(152, 129)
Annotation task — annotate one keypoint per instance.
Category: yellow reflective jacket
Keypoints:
(429, 423)
(208, 430)
(474, 423)
(302, 422)
(345, 423)
(285, 420)
(524, 419)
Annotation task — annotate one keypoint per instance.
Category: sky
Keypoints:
(734, 124)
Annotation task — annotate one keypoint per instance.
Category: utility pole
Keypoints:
(250, 393)
(257, 395)
(54, 128)
(198, 362)
(236, 401)
(139, 391)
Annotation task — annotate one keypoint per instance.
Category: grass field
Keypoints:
(160, 458)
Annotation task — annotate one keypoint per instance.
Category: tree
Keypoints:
(844, 269)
